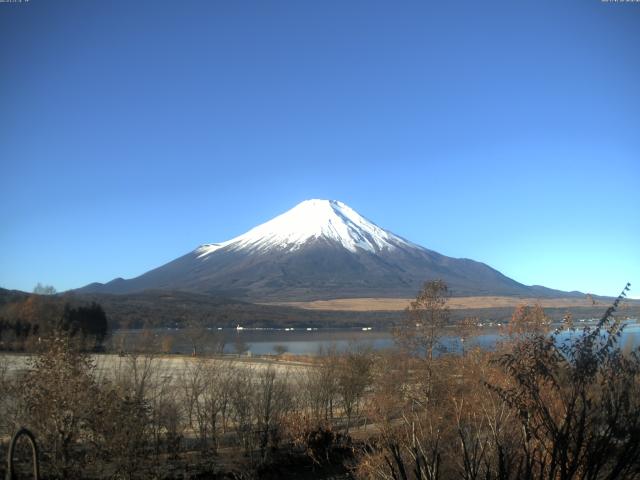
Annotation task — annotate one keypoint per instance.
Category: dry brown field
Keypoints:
(455, 303)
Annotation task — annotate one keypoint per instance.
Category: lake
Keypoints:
(310, 341)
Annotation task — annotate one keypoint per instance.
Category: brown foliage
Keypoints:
(421, 328)
(528, 320)
(58, 399)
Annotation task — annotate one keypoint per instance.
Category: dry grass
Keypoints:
(395, 304)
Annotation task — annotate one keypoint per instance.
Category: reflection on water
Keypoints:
(309, 342)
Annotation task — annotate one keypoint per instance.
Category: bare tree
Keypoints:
(241, 390)
(60, 400)
(240, 346)
(421, 328)
(528, 320)
(320, 384)
(123, 430)
(272, 401)
(280, 350)
(41, 289)
(390, 385)
(354, 376)
(201, 336)
(409, 450)
(193, 383)
(197, 335)
(166, 344)
(420, 331)
(215, 393)
(466, 329)
(135, 371)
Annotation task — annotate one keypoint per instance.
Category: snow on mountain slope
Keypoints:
(320, 249)
(313, 219)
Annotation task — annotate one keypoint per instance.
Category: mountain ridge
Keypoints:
(319, 249)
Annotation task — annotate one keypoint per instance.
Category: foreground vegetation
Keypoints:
(538, 407)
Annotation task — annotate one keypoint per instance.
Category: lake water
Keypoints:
(311, 341)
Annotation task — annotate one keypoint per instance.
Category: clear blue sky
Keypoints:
(507, 132)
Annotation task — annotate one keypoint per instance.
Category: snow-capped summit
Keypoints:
(312, 220)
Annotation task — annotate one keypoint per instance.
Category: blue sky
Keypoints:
(507, 132)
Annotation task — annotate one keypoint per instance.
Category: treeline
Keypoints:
(542, 406)
(159, 309)
(24, 322)
(153, 309)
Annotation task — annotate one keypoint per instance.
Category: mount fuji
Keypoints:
(320, 249)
